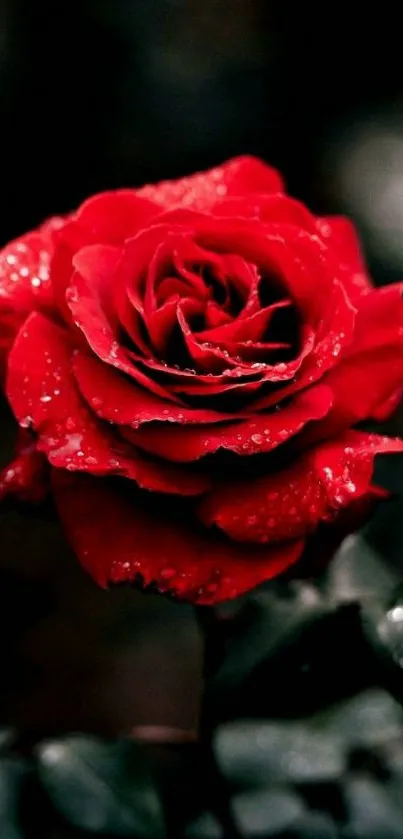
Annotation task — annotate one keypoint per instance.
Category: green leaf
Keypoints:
(268, 812)
(12, 774)
(103, 787)
(258, 753)
(358, 574)
(271, 618)
(372, 814)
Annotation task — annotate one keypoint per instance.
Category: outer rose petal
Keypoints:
(45, 396)
(24, 280)
(112, 217)
(275, 209)
(369, 379)
(291, 503)
(118, 541)
(107, 218)
(240, 176)
(27, 477)
(340, 234)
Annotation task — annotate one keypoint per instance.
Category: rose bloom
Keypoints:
(187, 362)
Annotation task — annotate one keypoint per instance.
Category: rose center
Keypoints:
(216, 315)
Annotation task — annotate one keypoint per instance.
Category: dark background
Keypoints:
(98, 94)
(103, 93)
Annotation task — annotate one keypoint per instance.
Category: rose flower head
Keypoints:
(188, 362)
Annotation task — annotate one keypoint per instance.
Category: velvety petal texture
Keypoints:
(187, 362)
(121, 541)
(25, 283)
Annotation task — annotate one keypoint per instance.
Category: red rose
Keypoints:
(191, 358)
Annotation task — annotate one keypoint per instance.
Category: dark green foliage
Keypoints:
(301, 729)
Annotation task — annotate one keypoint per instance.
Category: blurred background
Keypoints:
(98, 94)
(104, 93)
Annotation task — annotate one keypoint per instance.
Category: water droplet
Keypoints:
(26, 422)
(71, 446)
(257, 438)
(45, 398)
(113, 352)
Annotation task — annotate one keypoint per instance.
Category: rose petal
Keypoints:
(118, 399)
(107, 218)
(246, 327)
(261, 433)
(340, 235)
(298, 258)
(24, 280)
(370, 375)
(204, 356)
(43, 394)
(276, 208)
(97, 264)
(291, 503)
(111, 217)
(119, 540)
(333, 338)
(239, 176)
(89, 285)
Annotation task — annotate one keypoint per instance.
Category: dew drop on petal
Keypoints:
(26, 422)
(257, 438)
